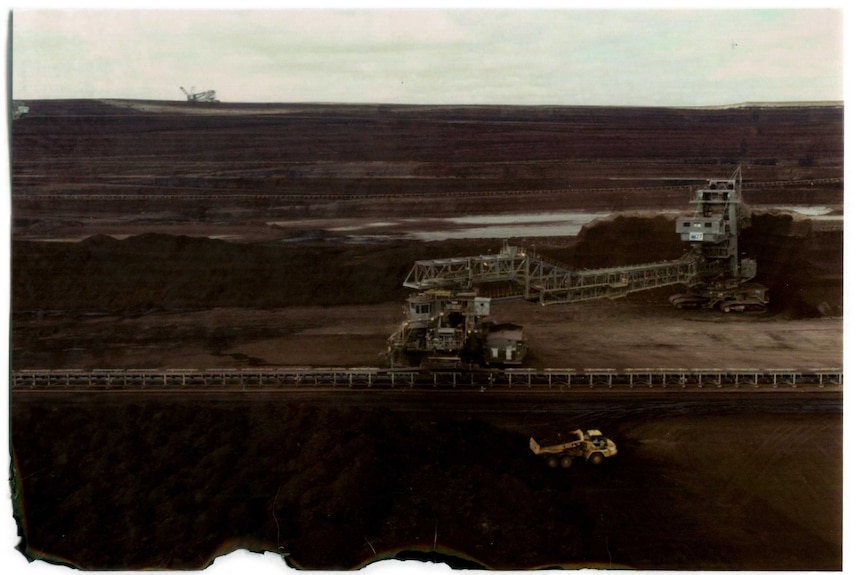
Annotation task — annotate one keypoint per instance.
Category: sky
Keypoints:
(492, 55)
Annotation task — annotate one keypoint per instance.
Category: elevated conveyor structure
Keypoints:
(556, 380)
(712, 268)
(550, 282)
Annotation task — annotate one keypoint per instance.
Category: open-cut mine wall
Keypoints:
(801, 264)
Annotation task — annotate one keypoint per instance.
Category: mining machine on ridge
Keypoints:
(207, 96)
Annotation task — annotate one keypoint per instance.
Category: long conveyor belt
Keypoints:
(482, 379)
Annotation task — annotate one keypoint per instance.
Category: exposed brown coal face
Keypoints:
(801, 266)
(172, 484)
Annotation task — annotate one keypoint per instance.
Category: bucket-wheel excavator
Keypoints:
(447, 322)
(713, 232)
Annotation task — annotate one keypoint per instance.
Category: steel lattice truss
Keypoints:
(551, 282)
(273, 379)
(511, 264)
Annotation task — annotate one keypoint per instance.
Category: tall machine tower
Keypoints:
(713, 232)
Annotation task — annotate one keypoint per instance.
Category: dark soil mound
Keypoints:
(179, 272)
(315, 483)
(802, 267)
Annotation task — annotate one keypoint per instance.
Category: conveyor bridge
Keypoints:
(550, 282)
(666, 379)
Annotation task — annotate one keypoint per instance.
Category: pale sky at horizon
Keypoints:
(533, 57)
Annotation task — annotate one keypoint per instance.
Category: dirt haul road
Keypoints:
(618, 335)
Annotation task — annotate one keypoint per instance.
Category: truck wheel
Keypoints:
(596, 458)
(553, 462)
(566, 462)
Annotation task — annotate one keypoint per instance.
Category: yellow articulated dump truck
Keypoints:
(562, 449)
